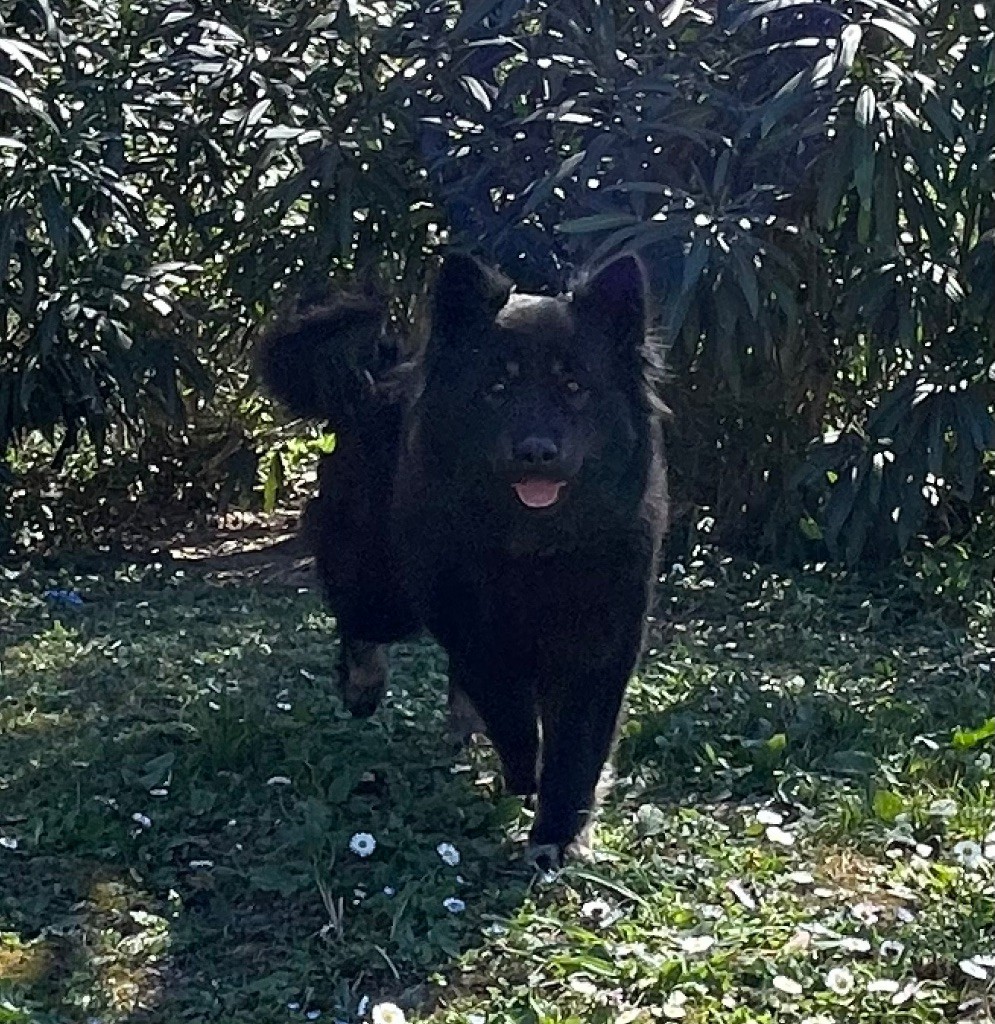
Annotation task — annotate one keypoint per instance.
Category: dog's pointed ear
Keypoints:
(615, 298)
(467, 294)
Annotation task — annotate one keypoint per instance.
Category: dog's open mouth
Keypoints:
(537, 493)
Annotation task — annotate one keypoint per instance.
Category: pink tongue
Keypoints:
(538, 493)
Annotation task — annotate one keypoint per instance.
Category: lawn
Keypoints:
(803, 826)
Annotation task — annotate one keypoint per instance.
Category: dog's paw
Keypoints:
(549, 858)
(545, 858)
(364, 670)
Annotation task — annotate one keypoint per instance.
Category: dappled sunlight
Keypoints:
(126, 949)
(24, 963)
(197, 827)
(203, 746)
(99, 949)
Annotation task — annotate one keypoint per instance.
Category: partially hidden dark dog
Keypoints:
(505, 489)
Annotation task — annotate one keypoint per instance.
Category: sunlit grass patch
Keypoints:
(191, 827)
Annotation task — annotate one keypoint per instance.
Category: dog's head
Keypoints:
(531, 399)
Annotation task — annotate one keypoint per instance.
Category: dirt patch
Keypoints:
(246, 546)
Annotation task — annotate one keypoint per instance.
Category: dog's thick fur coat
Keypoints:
(506, 490)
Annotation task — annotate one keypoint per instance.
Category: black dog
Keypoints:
(507, 489)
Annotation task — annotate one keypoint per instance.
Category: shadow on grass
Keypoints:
(183, 786)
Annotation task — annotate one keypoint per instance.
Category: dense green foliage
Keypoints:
(811, 184)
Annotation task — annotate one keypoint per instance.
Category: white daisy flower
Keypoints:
(697, 944)
(595, 908)
(389, 890)
(892, 948)
(788, 986)
(387, 1013)
(454, 904)
(293, 1006)
(448, 853)
(711, 911)
(866, 913)
(943, 808)
(973, 969)
(600, 912)
(8, 842)
(968, 854)
(742, 894)
(141, 820)
(840, 981)
(906, 994)
(778, 835)
(673, 1008)
(854, 944)
(362, 844)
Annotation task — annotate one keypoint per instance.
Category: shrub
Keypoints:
(810, 182)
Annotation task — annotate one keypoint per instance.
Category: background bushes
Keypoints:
(811, 184)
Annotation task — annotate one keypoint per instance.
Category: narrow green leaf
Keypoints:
(697, 260)
(596, 222)
(746, 277)
(887, 805)
(474, 12)
(477, 90)
(56, 219)
(902, 33)
(849, 44)
(866, 104)
(967, 739)
(274, 482)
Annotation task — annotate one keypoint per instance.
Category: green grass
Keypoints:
(801, 759)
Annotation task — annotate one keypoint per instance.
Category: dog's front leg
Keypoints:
(364, 669)
(505, 701)
(464, 719)
(578, 728)
(581, 688)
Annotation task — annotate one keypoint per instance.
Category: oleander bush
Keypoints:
(810, 183)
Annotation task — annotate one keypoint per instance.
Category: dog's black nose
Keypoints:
(536, 451)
